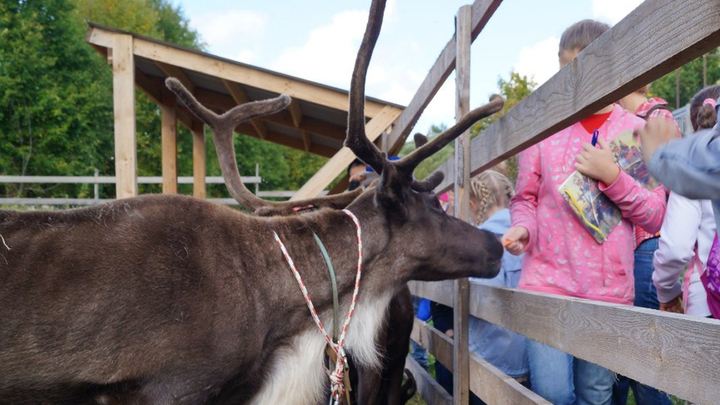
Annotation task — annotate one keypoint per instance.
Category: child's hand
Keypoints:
(598, 163)
(656, 132)
(516, 239)
(674, 305)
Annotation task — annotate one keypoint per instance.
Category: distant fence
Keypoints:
(98, 180)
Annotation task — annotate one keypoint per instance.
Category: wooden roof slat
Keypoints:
(296, 113)
(176, 72)
(238, 94)
(159, 51)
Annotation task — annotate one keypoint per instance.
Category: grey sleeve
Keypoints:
(690, 166)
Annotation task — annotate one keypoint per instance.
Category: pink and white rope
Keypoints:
(336, 377)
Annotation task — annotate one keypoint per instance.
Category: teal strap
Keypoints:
(333, 280)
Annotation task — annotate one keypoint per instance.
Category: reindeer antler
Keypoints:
(223, 126)
(357, 140)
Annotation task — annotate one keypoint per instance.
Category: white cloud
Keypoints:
(613, 10)
(233, 34)
(328, 55)
(539, 62)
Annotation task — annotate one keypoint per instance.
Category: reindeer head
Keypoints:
(418, 240)
(432, 245)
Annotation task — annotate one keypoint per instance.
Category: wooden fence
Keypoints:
(97, 180)
(677, 354)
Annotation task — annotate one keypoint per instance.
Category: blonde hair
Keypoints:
(490, 189)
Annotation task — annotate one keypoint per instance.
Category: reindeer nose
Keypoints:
(493, 252)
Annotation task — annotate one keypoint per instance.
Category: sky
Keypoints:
(318, 40)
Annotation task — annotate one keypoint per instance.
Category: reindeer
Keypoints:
(167, 299)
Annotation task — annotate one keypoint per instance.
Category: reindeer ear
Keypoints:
(390, 191)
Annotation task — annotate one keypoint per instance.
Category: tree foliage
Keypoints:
(56, 112)
(513, 90)
(691, 80)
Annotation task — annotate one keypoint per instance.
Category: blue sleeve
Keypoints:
(690, 166)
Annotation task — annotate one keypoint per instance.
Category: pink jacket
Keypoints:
(562, 257)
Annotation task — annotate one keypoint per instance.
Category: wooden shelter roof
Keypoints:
(315, 121)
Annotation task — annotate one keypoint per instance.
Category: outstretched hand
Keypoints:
(516, 240)
(656, 132)
(598, 163)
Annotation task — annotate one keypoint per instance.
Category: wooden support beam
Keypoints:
(482, 10)
(306, 140)
(461, 364)
(176, 72)
(199, 163)
(344, 156)
(237, 72)
(603, 73)
(282, 139)
(240, 97)
(169, 142)
(296, 113)
(321, 128)
(153, 88)
(429, 389)
(124, 112)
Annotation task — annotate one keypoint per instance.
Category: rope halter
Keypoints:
(337, 384)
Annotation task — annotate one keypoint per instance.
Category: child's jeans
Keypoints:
(645, 297)
(565, 380)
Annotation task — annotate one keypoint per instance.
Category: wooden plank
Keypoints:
(153, 88)
(248, 75)
(649, 346)
(176, 72)
(307, 142)
(342, 159)
(485, 380)
(124, 116)
(238, 94)
(442, 292)
(497, 388)
(222, 102)
(199, 161)
(461, 371)
(296, 113)
(482, 10)
(604, 72)
(169, 142)
(283, 139)
(428, 388)
(435, 342)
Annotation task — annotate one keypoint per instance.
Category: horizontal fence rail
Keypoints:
(97, 180)
(675, 353)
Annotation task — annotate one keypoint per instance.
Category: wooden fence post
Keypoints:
(123, 64)
(461, 368)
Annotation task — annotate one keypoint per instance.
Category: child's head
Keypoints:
(702, 108)
(632, 101)
(489, 191)
(577, 37)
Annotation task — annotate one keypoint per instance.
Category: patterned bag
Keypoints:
(711, 279)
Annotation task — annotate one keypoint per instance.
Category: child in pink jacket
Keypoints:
(561, 256)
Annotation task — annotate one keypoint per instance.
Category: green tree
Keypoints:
(53, 113)
(691, 80)
(513, 90)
